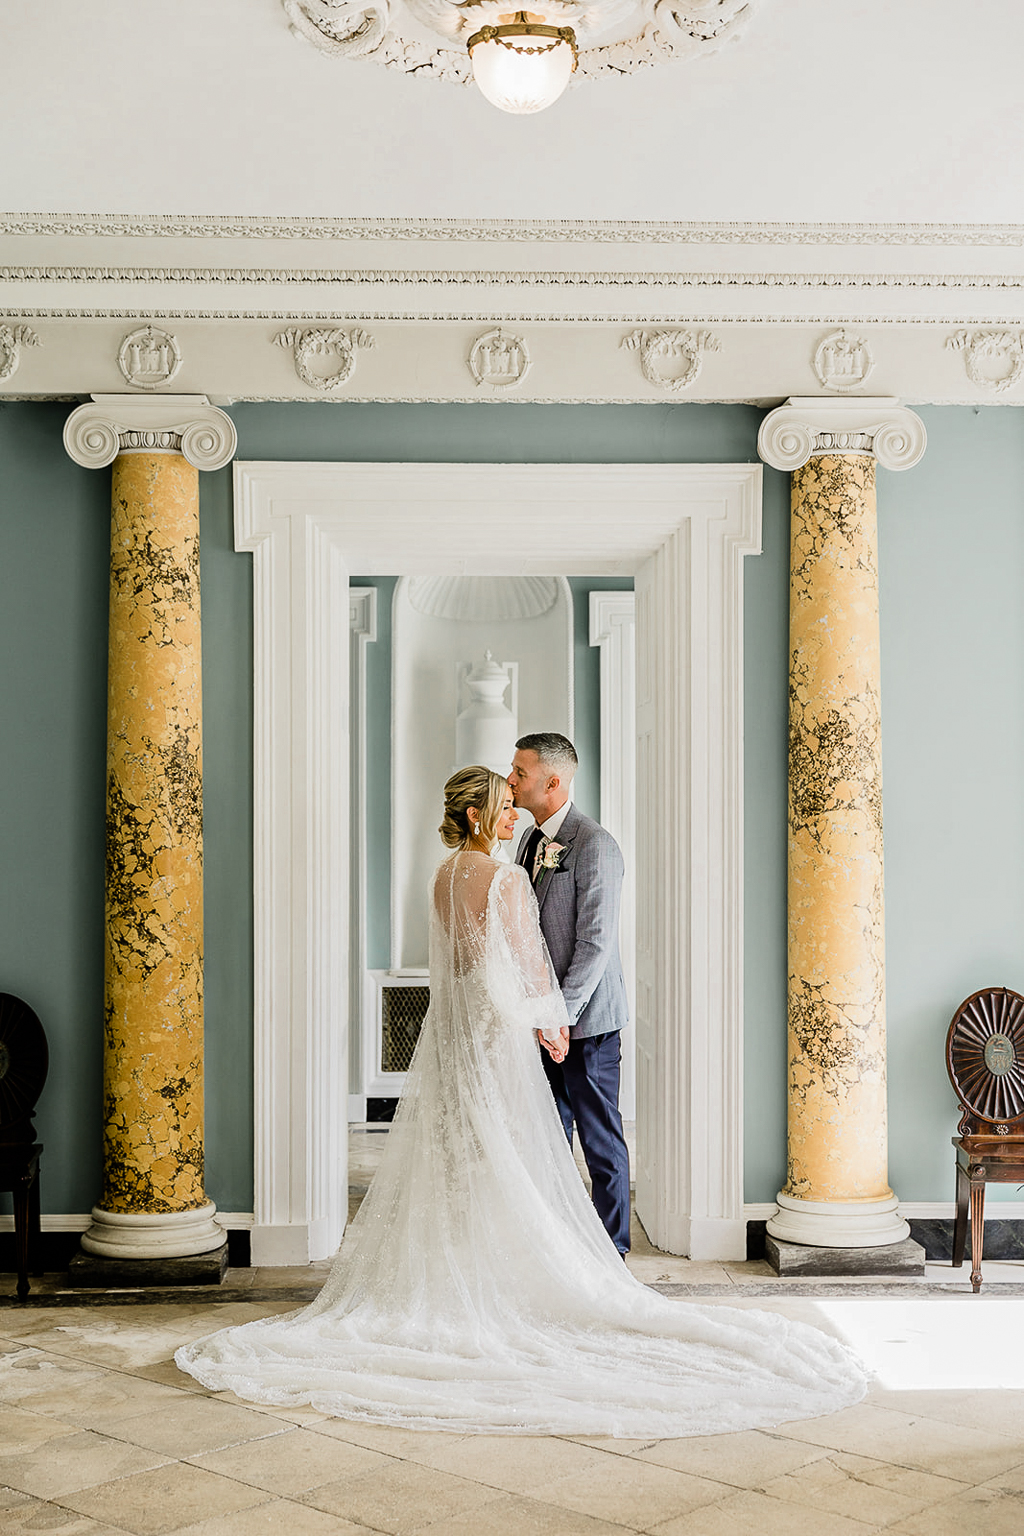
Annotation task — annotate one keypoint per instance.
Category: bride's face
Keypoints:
(507, 820)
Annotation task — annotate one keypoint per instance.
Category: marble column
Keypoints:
(837, 1192)
(153, 1204)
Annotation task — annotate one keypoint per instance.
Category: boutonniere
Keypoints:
(550, 859)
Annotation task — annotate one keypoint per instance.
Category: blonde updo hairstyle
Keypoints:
(472, 789)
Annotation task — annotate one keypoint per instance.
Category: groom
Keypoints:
(576, 869)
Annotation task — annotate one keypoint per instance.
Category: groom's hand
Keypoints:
(556, 1049)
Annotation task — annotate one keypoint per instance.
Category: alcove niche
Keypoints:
(681, 531)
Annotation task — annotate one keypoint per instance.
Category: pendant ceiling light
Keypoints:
(522, 64)
(521, 61)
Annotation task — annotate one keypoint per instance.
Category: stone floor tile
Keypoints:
(238, 1279)
(175, 1495)
(999, 1410)
(194, 1425)
(293, 1274)
(408, 1444)
(862, 1489)
(281, 1517)
(21, 1430)
(32, 1377)
(21, 1515)
(983, 1511)
(168, 1374)
(74, 1461)
(908, 1441)
(514, 1515)
(96, 1401)
(749, 1459)
(514, 1463)
(611, 1443)
(292, 1462)
(401, 1497)
(303, 1417)
(630, 1492)
(759, 1515)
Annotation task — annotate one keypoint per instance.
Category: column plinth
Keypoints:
(837, 1192)
(153, 1203)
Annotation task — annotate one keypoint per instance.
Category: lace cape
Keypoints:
(476, 1290)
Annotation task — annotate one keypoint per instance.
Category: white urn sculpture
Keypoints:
(486, 730)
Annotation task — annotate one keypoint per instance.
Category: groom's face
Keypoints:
(528, 781)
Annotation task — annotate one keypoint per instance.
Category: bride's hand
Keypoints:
(556, 1049)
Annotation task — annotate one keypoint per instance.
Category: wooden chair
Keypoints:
(985, 1061)
(24, 1060)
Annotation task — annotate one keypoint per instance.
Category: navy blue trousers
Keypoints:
(586, 1090)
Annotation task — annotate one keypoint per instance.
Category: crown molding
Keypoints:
(557, 231)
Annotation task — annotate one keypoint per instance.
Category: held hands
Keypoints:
(556, 1049)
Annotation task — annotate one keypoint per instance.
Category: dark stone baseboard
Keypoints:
(1004, 1239)
(57, 1249)
(96, 1270)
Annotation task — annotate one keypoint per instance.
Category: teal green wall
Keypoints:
(953, 680)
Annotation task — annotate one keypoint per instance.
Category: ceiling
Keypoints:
(856, 112)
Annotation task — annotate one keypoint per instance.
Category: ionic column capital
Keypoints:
(97, 432)
(793, 432)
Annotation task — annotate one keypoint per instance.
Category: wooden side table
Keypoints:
(985, 1062)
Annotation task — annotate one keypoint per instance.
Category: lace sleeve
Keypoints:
(517, 922)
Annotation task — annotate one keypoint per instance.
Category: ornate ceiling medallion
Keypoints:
(12, 339)
(993, 359)
(325, 360)
(498, 360)
(671, 359)
(148, 357)
(612, 37)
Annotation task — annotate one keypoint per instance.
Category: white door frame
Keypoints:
(681, 530)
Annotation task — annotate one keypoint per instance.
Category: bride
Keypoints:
(477, 1290)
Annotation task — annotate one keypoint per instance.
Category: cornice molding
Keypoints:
(655, 232)
(805, 426)
(97, 432)
(485, 277)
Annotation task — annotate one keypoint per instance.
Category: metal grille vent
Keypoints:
(403, 1010)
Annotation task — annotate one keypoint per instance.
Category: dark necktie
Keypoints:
(532, 844)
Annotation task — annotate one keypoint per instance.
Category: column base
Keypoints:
(162, 1235)
(95, 1270)
(839, 1224)
(790, 1259)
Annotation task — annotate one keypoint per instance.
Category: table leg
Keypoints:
(21, 1204)
(977, 1226)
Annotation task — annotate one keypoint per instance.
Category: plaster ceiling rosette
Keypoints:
(428, 37)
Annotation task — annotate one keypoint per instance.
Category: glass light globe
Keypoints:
(522, 82)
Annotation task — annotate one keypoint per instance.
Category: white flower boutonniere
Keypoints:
(550, 859)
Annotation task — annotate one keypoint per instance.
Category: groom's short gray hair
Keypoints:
(555, 751)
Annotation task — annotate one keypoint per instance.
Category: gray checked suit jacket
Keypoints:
(579, 918)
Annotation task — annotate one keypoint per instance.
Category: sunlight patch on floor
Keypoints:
(970, 1342)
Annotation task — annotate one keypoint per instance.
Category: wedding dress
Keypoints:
(476, 1289)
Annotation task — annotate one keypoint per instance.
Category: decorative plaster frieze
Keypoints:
(499, 360)
(671, 359)
(12, 339)
(993, 359)
(97, 432)
(556, 231)
(149, 358)
(793, 432)
(842, 361)
(325, 359)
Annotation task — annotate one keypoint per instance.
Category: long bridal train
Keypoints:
(476, 1290)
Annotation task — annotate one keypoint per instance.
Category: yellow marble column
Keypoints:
(837, 1191)
(153, 1203)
